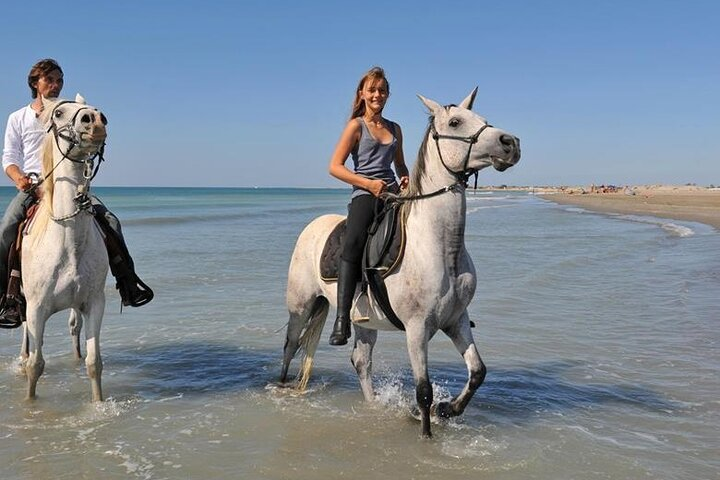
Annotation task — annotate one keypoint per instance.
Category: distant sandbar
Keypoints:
(690, 203)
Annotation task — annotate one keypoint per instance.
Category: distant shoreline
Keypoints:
(695, 204)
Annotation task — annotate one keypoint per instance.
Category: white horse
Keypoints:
(65, 262)
(435, 282)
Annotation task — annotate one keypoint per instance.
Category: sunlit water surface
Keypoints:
(600, 333)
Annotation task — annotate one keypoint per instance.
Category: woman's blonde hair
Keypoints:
(374, 74)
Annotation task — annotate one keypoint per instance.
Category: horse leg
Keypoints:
(361, 359)
(75, 323)
(35, 364)
(461, 335)
(93, 360)
(417, 343)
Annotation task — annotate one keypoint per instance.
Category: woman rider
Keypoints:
(374, 143)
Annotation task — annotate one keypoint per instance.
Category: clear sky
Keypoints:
(256, 93)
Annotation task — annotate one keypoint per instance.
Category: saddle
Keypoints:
(383, 253)
(384, 248)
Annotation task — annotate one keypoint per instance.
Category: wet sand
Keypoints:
(679, 203)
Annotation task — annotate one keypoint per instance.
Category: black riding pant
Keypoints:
(361, 213)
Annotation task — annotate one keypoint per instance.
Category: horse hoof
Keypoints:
(443, 410)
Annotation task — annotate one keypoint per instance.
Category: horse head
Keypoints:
(466, 142)
(79, 129)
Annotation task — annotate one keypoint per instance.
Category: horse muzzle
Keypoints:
(511, 150)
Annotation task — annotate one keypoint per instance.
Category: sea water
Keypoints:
(600, 334)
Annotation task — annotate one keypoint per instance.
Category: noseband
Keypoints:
(464, 174)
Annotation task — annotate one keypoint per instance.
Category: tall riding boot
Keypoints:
(12, 305)
(133, 291)
(347, 281)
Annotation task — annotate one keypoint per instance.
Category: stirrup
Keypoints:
(134, 292)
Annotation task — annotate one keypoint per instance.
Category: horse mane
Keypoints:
(47, 188)
(414, 187)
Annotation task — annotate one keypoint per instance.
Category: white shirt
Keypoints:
(24, 138)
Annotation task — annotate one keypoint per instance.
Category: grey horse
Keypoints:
(436, 280)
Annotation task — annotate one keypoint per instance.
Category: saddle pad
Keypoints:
(389, 261)
(330, 258)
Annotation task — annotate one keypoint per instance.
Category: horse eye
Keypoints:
(58, 113)
(454, 122)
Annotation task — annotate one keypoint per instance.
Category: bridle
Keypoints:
(462, 176)
(68, 133)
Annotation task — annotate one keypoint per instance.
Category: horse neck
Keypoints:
(443, 216)
(67, 178)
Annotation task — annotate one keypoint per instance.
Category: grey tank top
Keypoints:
(373, 159)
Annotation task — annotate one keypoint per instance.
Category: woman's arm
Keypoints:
(348, 139)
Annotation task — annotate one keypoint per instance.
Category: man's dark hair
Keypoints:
(41, 68)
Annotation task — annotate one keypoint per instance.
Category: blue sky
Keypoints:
(256, 93)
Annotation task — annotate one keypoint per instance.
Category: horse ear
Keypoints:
(469, 100)
(431, 105)
(79, 99)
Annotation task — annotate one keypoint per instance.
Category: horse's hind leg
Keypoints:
(75, 323)
(362, 359)
(461, 335)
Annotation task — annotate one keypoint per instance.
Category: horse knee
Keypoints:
(424, 394)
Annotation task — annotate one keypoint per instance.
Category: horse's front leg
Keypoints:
(93, 360)
(362, 359)
(417, 344)
(35, 363)
(461, 335)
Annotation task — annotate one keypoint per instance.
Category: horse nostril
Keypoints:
(507, 140)
(86, 118)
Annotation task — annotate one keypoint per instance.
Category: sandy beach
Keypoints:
(690, 203)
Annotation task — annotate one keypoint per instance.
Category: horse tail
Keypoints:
(309, 339)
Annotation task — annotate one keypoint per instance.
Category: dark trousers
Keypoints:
(361, 213)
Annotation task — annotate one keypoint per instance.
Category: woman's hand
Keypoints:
(376, 187)
(404, 180)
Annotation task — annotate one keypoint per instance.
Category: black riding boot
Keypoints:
(347, 281)
(133, 291)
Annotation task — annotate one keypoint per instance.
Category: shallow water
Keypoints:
(599, 333)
